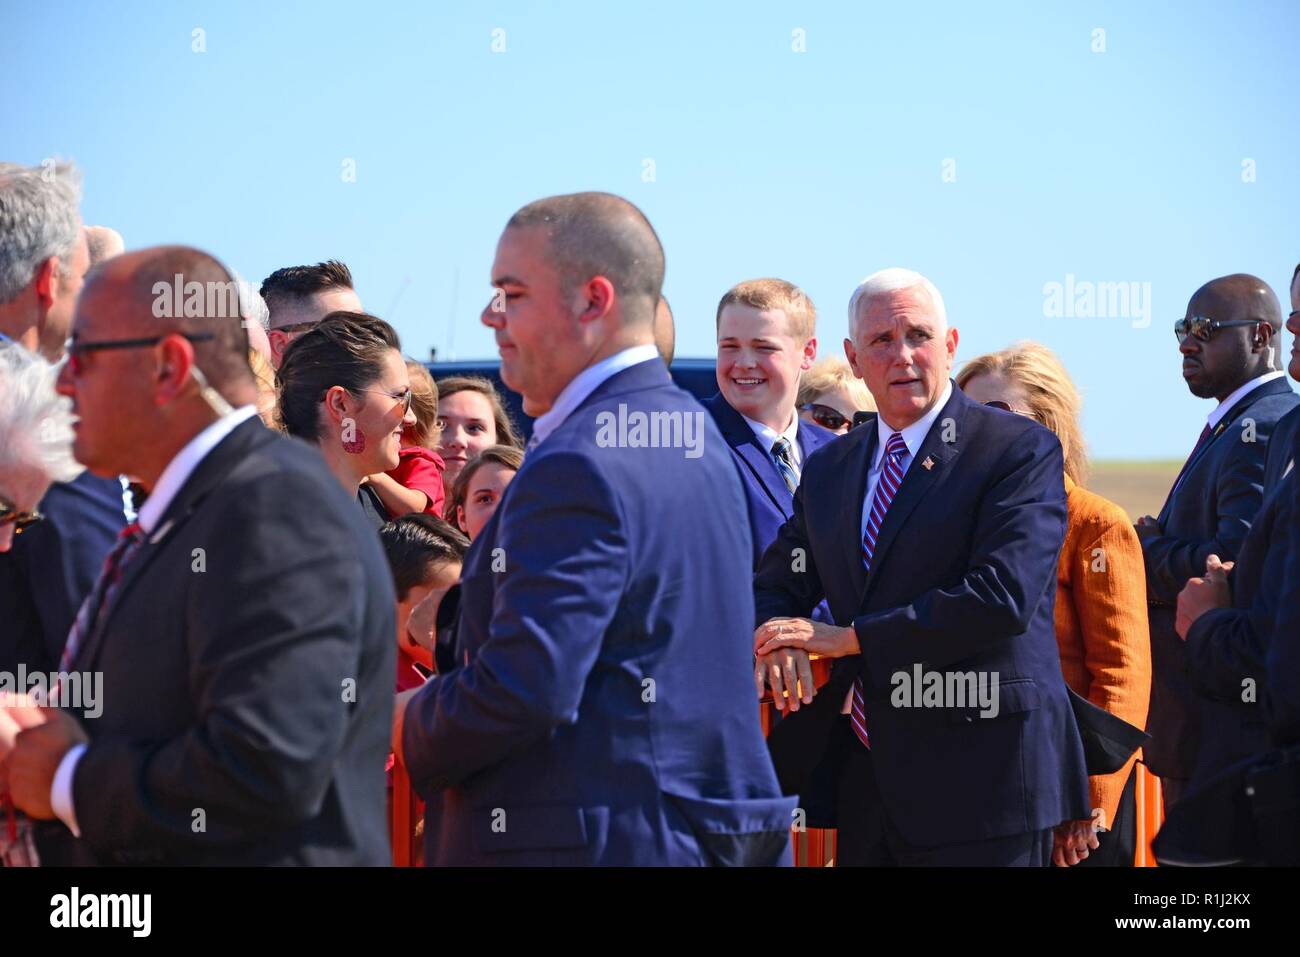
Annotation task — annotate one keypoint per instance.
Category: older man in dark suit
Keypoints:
(243, 626)
(603, 713)
(1227, 342)
(933, 531)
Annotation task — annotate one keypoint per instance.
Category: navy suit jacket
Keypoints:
(1281, 448)
(605, 712)
(1221, 492)
(51, 568)
(247, 660)
(963, 579)
(1282, 654)
(770, 502)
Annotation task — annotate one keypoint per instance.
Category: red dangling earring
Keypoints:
(357, 445)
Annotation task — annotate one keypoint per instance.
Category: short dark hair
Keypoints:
(298, 282)
(344, 348)
(416, 544)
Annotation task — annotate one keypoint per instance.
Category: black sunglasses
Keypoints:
(825, 416)
(76, 349)
(1203, 328)
(10, 515)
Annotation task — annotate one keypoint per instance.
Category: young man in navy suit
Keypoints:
(766, 339)
(604, 711)
(933, 531)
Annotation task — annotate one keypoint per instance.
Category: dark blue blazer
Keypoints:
(605, 713)
(1282, 654)
(1226, 647)
(1281, 448)
(52, 566)
(963, 579)
(770, 502)
(1220, 494)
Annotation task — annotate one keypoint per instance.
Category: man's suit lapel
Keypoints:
(740, 437)
(1274, 387)
(855, 464)
(209, 473)
(926, 468)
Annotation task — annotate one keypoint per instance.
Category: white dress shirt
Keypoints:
(913, 435)
(1224, 407)
(584, 384)
(767, 437)
(172, 480)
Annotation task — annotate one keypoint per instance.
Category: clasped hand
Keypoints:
(783, 648)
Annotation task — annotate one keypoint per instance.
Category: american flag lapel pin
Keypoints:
(928, 463)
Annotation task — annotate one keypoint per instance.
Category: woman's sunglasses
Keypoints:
(404, 397)
(10, 515)
(825, 416)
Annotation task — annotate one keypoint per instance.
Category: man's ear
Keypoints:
(851, 354)
(950, 340)
(46, 279)
(599, 296)
(809, 354)
(175, 357)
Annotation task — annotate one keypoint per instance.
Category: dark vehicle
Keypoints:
(696, 376)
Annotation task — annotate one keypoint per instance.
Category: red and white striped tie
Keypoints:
(891, 477)
(91, 612)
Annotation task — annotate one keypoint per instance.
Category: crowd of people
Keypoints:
(251, 555)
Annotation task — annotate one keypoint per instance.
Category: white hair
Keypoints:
(39, 218)
(892, 280)
(35, 421)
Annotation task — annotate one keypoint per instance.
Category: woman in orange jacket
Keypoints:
(1101, 602)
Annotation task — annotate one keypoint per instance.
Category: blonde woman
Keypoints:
(1101, 606)
(830, 395)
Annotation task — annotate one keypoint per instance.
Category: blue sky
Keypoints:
(1170, 158)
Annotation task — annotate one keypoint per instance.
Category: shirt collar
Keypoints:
(180, 468)
(584, 384)
(1224, 407)
(767, 435)
(915, 433)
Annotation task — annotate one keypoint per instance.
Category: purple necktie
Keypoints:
(891, 477)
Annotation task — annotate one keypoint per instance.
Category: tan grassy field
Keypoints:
(1137, 487)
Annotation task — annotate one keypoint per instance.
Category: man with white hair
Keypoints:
(933, 532)
(43, 254)
(53, 565)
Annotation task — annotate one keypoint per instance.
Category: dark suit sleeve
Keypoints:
(562, 539)
(1016, 541)
(272, 646)
(787, 583)
(1224, 649)
(1238, 494)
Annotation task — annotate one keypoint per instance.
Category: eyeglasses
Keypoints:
(1203, 328)
(825, 416)
(76, 349)
(405, 396)
(10, 515)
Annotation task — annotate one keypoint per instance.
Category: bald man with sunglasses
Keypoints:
(1227, 340)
